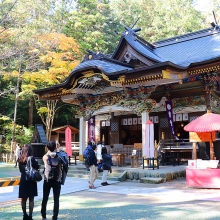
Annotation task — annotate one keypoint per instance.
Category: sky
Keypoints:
(204, 5)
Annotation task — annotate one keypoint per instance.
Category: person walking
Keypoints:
(52, 179)
(99, 155)
(27, 189)
(18, 152)
(106, 164)
(93, 166)
(86, 153)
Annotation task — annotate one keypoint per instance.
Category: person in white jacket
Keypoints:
(18, 152)
(99, 155)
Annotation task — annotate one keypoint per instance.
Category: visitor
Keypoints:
(18, 152)
(99, 155)
(106, 164)
(52, 179)
(27, 189)
(93, 166)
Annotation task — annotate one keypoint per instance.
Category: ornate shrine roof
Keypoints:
(132, 74)
(184, 50)
(106, 66)
(191, 48)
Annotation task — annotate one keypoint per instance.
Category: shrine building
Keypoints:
(115, 95)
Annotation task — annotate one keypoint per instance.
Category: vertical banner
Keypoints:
(68, 141)
(149, 139)
(91, 129)
(169, 109)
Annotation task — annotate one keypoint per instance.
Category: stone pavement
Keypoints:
(121, 200)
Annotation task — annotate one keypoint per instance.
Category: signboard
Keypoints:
(204, 164)
(169, 109)
(137, 145)
(192, 164)
(202, 136)
(91, 129)
(68, 141)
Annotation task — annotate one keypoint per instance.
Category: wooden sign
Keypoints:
(202, 136)
(137, 145)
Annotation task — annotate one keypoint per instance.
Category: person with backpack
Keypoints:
(52, 179)
(86, 152)
(107, 164)
(27, 189)
(92, 166)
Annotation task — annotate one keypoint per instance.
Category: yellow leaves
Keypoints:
(59, 41)
(72, 65)
(9, 75)
(5, 34)
(42, 110)
(57, 54)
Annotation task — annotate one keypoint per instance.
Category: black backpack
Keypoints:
(54, 163)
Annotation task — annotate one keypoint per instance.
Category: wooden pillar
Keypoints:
(194, 152)
(82, 137)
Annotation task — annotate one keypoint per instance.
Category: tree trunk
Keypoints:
(31, 110)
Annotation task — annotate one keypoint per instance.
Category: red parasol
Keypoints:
(208, 122)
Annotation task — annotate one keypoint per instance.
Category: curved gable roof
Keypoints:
(183, 50)
(191, 48)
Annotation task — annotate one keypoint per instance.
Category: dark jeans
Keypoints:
(56, 196)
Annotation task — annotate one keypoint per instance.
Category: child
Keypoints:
(106, 163)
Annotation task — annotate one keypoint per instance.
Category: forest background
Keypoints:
(41, 42)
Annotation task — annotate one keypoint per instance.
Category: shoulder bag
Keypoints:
(31, 173)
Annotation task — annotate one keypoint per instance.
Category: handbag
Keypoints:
(31, 173)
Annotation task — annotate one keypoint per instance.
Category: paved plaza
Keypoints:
(120, 200)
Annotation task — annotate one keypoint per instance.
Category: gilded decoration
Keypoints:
(210, 80)
(137, 100)
(214, 103)
(191, 101)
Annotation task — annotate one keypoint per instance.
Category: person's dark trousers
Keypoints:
(56, 186)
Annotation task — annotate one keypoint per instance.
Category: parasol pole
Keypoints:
(211, 148)
(211, 143)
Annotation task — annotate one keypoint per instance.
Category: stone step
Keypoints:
(116, 175)
(152, 180)
(87, 172)
(86, 176)
(83, 169)
(114, 172)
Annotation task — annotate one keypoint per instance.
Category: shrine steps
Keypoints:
(82, 172)
(161, 175)
(152, 180)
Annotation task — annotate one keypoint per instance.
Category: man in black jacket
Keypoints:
(52, 179)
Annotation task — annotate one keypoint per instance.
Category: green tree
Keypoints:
(93, 26)
(58, 55)
(159, 19)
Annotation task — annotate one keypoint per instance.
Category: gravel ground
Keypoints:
(88, 204)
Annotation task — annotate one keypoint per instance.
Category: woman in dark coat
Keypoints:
(27, 189)
(106, 164)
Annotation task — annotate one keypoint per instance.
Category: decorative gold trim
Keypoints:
(120, 80)
(75, 83)
(204, 70)
(104, 76)
(66, 91)
(88, 73)
(142, 79)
